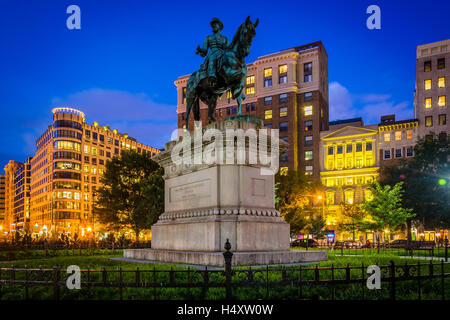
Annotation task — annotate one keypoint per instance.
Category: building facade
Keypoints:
(396, 139)
(61, 178)
(2, 203)
(432, 87)
(350, 162)
(289, 91)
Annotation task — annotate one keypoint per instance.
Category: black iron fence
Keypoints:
(405, 281)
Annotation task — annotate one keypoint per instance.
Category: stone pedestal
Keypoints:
(205, 204)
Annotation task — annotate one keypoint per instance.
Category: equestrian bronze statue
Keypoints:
(223, 69)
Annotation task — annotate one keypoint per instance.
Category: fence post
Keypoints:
(45, 248)
(391, 280)
(228, 255)
(56, 282)
(446, 249)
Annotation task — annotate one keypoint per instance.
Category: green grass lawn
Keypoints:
(430, 289)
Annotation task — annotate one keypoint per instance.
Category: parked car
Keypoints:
(347, 244)
(310, 243)
(396, 244)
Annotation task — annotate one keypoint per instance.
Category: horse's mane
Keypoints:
(236, 36)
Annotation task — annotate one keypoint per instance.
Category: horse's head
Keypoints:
(244, 37)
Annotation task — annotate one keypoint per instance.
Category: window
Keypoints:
(442, 119)
(94, 151)
(94, 135)
(427, 84)
(349, 194)
(348, 163)
(441, 82)
(268, 114)
(284, 157)
(308, 155)
(330, 197)
(285, 139)
(282, 71)
(441, 63)
(308, 125)
(269, 125)
(368, 146)
(108, 154)
(368, 195)
(102, 138)
(110, 140)
(116, 143)
(267, 101)
(339, 150)
(308, 110)
(387, 137)
(252, 106)
(234, 110)
(87, 134)
(398, 153)
(429, 121)
(307, 96)
(330, 151)
(183, 97)
(249, 90)
(427, 66)
(250, 80)
(283, 97)
(283, 126)
(284, 171)
(358, 147)
(308, 141)
(441, 101)
(307, 72)
(283, 112)
(349, 148)
(427, 103)
(409, 134)
(387, 154)
(409, 151)
(309, 169)
(268, 77)
(398, 135)
(369, 162)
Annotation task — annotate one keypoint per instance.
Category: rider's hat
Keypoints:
(216, 20)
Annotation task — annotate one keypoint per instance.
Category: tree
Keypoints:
(354, 215)
(385, 208)
(426, 180)
(132, 194)
(316, 226)
(293, 198)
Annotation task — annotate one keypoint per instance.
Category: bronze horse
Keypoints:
(231, 75)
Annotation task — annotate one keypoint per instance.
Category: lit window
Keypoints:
(368, 195)
(282, 69)
(428, 103)
(86, 169)
(398, 135)
(441, 101)
(308, 141)
(409, 134)
(229, 95)
(308, 155)
(330, 197)
(369, 162)
(348, 163)
(441, 82)
(308, 110)
(429, 121)
(283, 171)
(94, 151)
(250, 90)
(268, 77)
(184, 95)
(387, 137)
(268, 114)
(427, 84)
(267, 72)
(349, 194)
(308, 125)
(250, 80)
(283, 112)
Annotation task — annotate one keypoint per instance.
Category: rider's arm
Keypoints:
(203, 50)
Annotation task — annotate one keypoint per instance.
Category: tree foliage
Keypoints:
(132, 194)
(294, 198)
(425, 180)
(386, 208)
(354, 217)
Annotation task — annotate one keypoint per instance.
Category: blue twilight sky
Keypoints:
(120, 67)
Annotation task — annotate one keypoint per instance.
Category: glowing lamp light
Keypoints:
(319, 197)
(89, 229)
(44, 228)
(1, 227)
(36, 225)
(442, 182)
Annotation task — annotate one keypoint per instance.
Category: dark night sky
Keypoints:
(120, 67)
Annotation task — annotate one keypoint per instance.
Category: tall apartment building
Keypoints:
(396, 139)
(289, 91)
(61, 178)
(432, 87)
